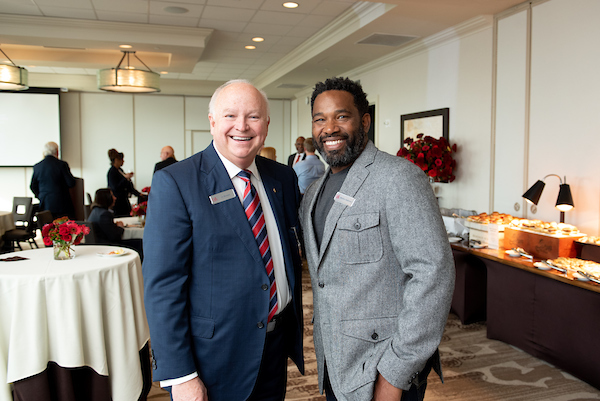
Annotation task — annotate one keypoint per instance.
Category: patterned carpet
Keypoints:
(475, 369)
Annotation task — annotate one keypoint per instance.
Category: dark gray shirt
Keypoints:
(332, 185)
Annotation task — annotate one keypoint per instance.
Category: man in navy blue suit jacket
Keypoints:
(51, 181)
(206, 286)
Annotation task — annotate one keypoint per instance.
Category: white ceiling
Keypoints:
(204, 46)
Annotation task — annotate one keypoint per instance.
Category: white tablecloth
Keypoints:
(133, 227)
(6, 222)
(87, 311)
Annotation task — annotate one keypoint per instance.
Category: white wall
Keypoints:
(137, 125)
(535, 115)
(456, 74)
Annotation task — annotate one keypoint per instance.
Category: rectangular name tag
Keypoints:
(344, 199)
(222, 196)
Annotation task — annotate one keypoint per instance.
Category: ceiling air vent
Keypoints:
(385, 39)
(292, 86)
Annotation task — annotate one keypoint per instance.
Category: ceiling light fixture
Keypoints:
(128, 78)
(258, 39)
(125, 46)
(249, 47)
(290, 4)
(12, 77)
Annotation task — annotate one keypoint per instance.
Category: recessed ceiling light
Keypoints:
(290, 4)
(125, 46)
(176, 10)
(250, 47)
(258, 39)
(164, 72)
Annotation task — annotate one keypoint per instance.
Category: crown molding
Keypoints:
(52, 27)
(467, 28)
(356, 17)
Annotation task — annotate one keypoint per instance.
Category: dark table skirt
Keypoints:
(75, 384)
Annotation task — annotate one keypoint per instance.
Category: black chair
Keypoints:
(42, 218)
(25, 226)
(91, 238)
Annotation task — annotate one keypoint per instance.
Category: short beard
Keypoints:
(346, 156)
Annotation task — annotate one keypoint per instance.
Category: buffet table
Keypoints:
(84, 313)
(547, 314)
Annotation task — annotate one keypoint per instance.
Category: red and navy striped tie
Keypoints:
(256, 218)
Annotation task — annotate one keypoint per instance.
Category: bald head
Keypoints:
(166, 152)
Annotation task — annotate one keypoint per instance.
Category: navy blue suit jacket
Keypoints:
(203, 274)
(50, 183)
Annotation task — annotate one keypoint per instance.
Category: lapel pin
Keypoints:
(274, 190)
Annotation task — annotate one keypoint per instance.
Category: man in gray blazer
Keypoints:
(381, 266)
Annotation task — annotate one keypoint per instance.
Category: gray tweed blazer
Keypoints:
(382, 279)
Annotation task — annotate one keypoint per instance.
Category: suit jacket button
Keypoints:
(264, 287)
(374, 336)
(357, 225)
(321, 284)
(260, 325)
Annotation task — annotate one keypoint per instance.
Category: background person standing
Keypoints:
(51, 181)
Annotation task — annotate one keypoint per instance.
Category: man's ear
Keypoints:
(366, 121)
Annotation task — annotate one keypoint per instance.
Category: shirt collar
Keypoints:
(232, 169)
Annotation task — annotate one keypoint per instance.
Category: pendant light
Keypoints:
(129, 79)
(12, 77)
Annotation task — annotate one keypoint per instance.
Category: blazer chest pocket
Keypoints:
(360, 238)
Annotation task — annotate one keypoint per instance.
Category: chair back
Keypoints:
(22, 212)
(44, 217)
(91, 238)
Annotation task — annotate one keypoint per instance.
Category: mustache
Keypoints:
(337, 136)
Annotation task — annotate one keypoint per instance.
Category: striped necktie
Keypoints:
(256, 218)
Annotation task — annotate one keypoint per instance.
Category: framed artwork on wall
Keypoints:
(434, 123)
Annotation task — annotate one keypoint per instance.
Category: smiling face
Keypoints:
(339, 132)
(239, 123)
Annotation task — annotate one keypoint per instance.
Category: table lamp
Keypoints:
(564, 202)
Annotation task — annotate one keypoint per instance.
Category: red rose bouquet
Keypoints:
(63, 233)
(433, 156)
(139, 209)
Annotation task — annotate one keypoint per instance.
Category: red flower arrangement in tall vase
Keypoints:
(433, 156)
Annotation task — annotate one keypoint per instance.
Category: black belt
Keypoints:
(279, 319)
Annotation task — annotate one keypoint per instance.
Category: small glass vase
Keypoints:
(142, 220)
(63, 250)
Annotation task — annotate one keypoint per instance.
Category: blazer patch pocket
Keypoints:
(202, 327)
(360, 236)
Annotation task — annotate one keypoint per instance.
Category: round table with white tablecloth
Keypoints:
(84, 312)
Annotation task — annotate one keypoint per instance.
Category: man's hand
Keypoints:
(384, 391)
(193, 390)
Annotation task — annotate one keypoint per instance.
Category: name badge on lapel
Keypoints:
(344, 199)
(222, 196)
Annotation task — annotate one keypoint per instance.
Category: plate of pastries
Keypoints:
(590, 240)
(494, 218)
(577, 266)
(544, 227)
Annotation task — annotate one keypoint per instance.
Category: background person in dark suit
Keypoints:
(51, 181)
(106, 229)
(167, 157)
(299, 155)
(380, 263)
(208, 296)
(120, 183)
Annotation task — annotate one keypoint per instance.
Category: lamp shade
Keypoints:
(13, 78)
(564, 202)
(533, 194)
(128, 80)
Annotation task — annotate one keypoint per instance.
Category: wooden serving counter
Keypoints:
(547, 314)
